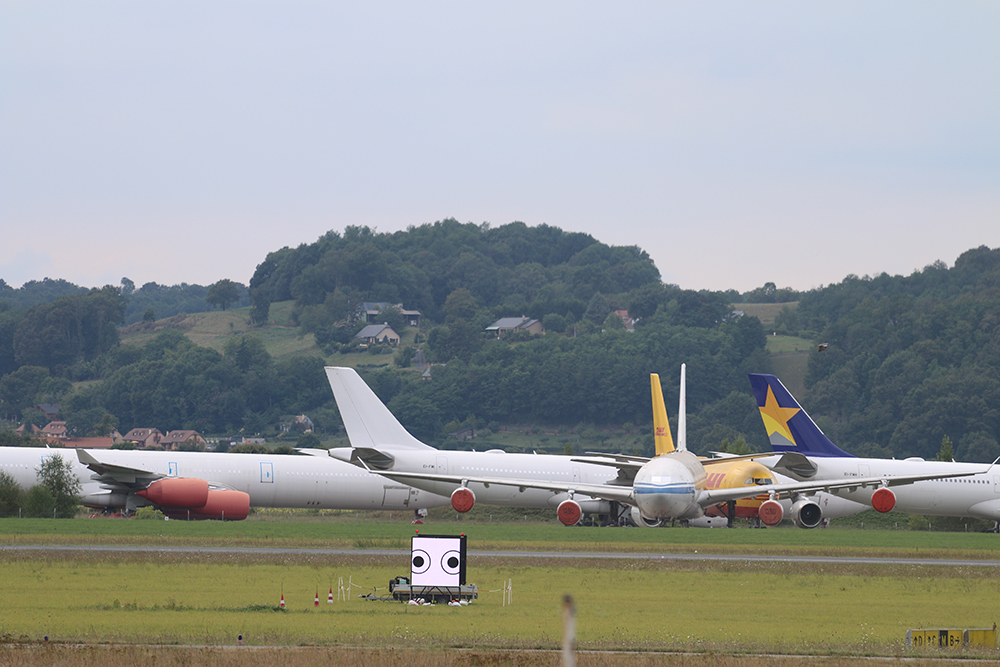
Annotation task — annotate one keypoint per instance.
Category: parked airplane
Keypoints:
(669, 486)
(952, 489)
(728, 472)
(202, 485)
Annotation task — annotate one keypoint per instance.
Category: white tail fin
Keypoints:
(368, 422)
(682, 443)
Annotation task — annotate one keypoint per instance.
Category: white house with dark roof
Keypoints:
(505, 324)
(378, 333)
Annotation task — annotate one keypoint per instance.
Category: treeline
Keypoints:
(911, 360)
(513, 269)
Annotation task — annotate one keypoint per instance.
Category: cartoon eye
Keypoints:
(451, 562)
(420, 561)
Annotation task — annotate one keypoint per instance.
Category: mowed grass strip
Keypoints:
(177, 656)
(359, 531)
(727, 607)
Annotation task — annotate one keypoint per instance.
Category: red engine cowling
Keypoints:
(569, 512)
(883, 500)
(770, 512)
(177, 492)
(463, 499)
(224, 504)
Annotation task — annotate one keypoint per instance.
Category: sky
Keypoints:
(737, 143)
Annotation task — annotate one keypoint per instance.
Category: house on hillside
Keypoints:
(55, 429)
(300, 423)
(144, 438)
(378, 333)
(508, 324)
(188, 439)
(626, 320)
(369, 312)
(50, 410)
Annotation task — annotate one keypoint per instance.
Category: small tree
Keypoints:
(947, 452)
(57, 476)
(11, 495)
(223, 293)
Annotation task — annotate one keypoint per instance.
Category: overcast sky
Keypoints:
(737, 142)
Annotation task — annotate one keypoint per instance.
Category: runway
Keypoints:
(544, 555)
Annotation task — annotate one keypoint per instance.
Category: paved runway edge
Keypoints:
(562, 555)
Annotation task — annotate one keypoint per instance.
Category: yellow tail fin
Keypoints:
(661, 427)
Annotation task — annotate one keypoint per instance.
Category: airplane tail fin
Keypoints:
(661, 427)
(682, 433)
(789, 427)
(368, 422)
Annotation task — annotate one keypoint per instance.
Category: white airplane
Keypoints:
(669, 486)
(202, 485)
(804, 452)
(727, 471)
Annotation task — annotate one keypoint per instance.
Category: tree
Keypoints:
(149, 316)
(223, 293)
(57, 476)
(947, 452)
(11, 495)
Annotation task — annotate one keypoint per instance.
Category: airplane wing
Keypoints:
(114, 476)
(622, 494)
(713, 496)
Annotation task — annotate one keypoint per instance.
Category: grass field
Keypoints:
(721, 609)
(640, 605)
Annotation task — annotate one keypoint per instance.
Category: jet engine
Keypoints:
(641, 521)
(883, 500)
(569, 512)
(770, 512)
(177, 492)
(225, 505)
(222, 504)
(806, 513)
(462, 499)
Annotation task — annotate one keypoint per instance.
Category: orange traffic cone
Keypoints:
(282, 605)
(316, 603)
(329, 598)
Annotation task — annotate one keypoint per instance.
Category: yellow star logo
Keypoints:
(776, 417)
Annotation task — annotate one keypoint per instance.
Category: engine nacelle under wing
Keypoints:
(463, 499)
(641, 521)
(569, 512)
(183, 492)
(223, 504)
(806, 513)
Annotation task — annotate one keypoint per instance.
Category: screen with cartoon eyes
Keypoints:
(437, 560)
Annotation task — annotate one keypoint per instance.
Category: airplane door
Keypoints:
(576, 474)
(266, 473)
(996, 483)
(172, 469)
(441, 466)
(863, 470)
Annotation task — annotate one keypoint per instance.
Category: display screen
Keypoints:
(437, 560)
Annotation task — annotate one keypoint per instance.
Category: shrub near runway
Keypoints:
(210, 599)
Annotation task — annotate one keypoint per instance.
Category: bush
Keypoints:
(39, 503)
(11, 495)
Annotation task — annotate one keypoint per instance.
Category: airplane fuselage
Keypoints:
(972, 496)
(270, 480)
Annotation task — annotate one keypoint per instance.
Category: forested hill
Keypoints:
(522, 270)
(911, 359)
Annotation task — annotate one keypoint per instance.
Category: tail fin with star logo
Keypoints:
(789, 427)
